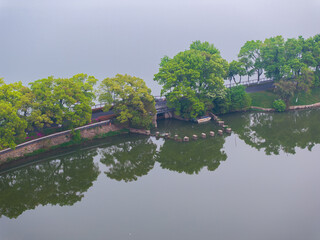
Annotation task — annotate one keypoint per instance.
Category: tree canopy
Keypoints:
(193, 79)
(48, 102)
(131, 100)
(12, 126)
(62, 101)
(250, 56)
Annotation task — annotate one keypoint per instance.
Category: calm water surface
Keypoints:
(261, 182)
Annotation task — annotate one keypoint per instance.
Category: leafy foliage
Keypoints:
(12, 104)
(273, 57)
(62, 101)
(193, 79)
(279, 105)
(239, 99)
(236, 68)
(12, 127)
(49, 102)
(285, 90)
(132, 100)
(250, 56)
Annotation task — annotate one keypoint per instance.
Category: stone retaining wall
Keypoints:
(262, 109)
(139, 131)
(315, 105)
(88, 131)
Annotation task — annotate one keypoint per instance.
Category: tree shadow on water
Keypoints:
(129, 160)
(62, 181)
(276, 132)
(191, 157)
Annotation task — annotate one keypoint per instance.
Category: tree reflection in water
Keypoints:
(275, 132)
(191, 157)
(64, 180)
(129, 160)
(58, 182)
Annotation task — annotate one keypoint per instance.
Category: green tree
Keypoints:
(193, 79)
(250, 55)
(20, 97)
(293, 55)
(279, 105)
(285, 90)
(273, 57)
(239, 99)
(11, 93)
(305, 81)
(132, 100)
(316, 56)
(12, 124)
(62, 101)
(236, 68)
(12, 127)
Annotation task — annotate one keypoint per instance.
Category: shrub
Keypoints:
(76, 136)
(279, 105)
(239, 99)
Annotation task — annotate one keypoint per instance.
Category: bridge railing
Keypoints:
(248, 82)
(98, 105)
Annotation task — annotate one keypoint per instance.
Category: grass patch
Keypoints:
(306, 98)
(263, 99)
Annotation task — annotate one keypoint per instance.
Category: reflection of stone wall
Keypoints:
(89, 131)
(139, 131)
(315, 105)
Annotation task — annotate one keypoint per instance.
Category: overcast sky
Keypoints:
(40, 38)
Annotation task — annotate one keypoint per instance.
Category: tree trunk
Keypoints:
(287, 101)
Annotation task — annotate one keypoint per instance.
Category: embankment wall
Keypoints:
(88, 131)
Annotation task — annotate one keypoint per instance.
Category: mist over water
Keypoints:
(103, 38)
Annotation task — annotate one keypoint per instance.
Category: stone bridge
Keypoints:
(161, 105)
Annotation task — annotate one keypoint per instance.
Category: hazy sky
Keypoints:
(40, 38)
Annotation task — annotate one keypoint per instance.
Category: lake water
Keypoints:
(260, 182)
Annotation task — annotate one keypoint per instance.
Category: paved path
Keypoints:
(99, 114)
(259, 87)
